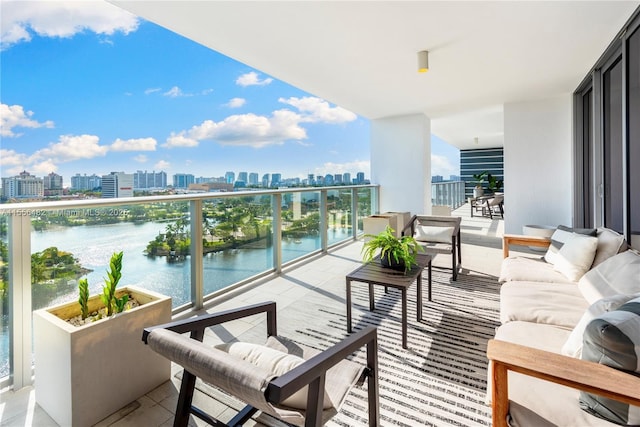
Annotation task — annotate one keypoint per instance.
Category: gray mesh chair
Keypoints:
(309, 392)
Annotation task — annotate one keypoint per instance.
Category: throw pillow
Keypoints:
(559, 238)
(573, 346)
(429, 233)
(576, 256)
(276, 362)
(609, 244)
(619, 274)
(613, 339)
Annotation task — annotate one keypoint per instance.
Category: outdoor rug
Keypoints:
(440, 380)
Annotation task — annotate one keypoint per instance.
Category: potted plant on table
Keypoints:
(90, 360)
(398, 253)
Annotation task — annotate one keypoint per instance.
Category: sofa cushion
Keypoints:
(429, 233)
(539, 302)
(613, 339)
(573, 346)
(609, 244)
(531, 270)
(619, 274)
(275, 362)
(576, 256)
(559, 238)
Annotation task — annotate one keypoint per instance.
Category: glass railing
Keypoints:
(450, 193)
(241, 236)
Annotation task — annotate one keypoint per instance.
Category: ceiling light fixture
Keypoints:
(475, 140)
(423, 61)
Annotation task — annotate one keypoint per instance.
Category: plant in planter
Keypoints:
(398, 253)
(479, 180)
(494, 184)
(80, 365)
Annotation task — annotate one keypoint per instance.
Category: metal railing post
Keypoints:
(354, 213)
(324, 223)
(277, 232)
(20, 299)
(197, 251)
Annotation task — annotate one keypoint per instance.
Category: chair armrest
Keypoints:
(409, 227)
(568, 371)
(311, 370)
(197, 325)
(517, 239)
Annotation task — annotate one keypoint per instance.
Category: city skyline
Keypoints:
(105, 91)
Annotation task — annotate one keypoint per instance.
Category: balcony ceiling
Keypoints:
(363, 55)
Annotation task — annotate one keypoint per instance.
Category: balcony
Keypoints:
(440, 378)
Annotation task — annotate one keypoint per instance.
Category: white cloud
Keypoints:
(141, 158)
(140, 144)
(236, 102)
(180, 140)
(247, 129)
(353, 168)
(71, 148)
(316, 110)
(207, 91)
(441, 165)
(161, 165)
(10, 158)
(152, 90)
(43, 168)
(14, 116)
(175, 92)
(22, 19)
(252, 79)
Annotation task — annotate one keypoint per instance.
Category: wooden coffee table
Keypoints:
(374, 274)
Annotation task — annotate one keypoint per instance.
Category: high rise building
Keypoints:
(311, 179)
(85, 183)
(230, 177)
(23, 186)
(337, 178)
(275, 179)
(265, 180)
(360, 178)
(117, 184)
(243, 176)
(253, 178)
(143, 180)
(53, 184)
(182, 180)
(346, 178)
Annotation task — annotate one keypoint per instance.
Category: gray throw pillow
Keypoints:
(613, 339)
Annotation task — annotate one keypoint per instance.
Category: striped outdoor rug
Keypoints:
(440, 380)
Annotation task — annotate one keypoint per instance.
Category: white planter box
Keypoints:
(83, 374)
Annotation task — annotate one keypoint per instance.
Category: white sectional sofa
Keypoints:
(573, 319)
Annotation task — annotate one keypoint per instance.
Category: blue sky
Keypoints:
(88, 88)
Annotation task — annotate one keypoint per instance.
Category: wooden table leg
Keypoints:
(429, 276)
(348, 305)
(404, 317)
(419, 297)
(372, 303)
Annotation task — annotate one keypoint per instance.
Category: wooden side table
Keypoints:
(374, 274)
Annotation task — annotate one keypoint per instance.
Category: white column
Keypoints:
(538, 172)
(401, 163)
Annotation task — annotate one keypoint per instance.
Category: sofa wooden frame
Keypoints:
(312, 372)
(568, 371)
(522, 240)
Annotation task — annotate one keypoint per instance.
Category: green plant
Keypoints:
(83, 298)
(394, 249)
(109, 290)
(479, 178)
(494, 183)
